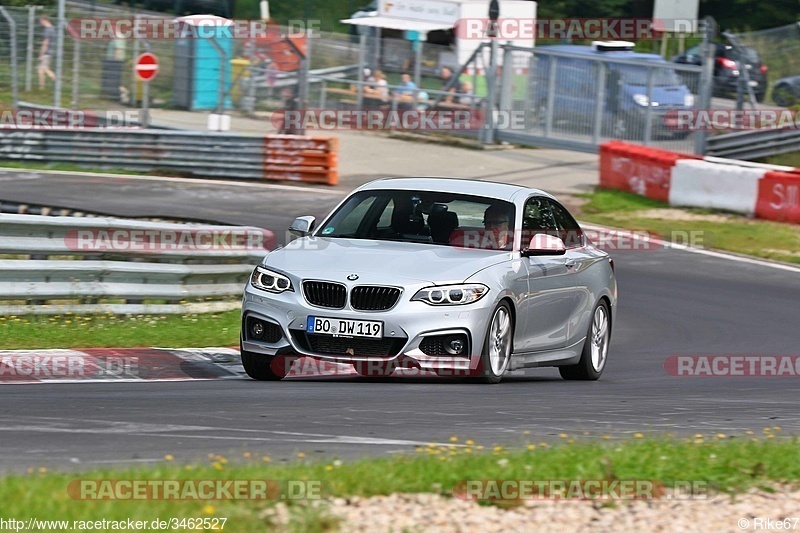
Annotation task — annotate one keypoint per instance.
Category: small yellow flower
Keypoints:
(169, 457)
(526, 432)
(217, 466)
(698, 436)
(189, 467)
(470, 443)
(468, 450)
(209, 509)
(479, 447)
(453, 439)
(777, 428)
(531, 447)
(498, 448)
(247, 455)
(748, 432)
(563, 435)
(301, 455)
(639, 436)
(42, 470)
(606, 437)
(329, 468)
(721, 435)
(265, 459)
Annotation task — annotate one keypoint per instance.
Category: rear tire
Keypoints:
(783, 96)
(595, 348)
(265, 367)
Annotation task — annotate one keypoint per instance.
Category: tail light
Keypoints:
(724, 62)
(763, 69)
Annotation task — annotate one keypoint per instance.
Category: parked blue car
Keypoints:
(625, 93)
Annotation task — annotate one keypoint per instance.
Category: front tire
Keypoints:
(265, 367)
(595, 348)
(496, 354)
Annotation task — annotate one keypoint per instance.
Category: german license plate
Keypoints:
(753, 83)
(344, 328)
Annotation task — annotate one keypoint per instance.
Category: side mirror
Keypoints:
(544, 244)
(302, 226)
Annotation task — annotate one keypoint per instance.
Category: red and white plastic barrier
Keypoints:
(765, 191)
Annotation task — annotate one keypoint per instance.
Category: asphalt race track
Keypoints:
(672, 302)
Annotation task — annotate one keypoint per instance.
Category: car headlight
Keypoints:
(688, 100)
(641, 99)
(270, 281)
(451, 294)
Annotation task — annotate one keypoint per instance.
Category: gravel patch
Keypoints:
(432, 512)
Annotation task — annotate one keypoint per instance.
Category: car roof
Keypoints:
(490, 189)
(589, 51)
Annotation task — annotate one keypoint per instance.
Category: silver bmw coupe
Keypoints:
(461, 278)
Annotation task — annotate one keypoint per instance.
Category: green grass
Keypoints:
(65, 166)
(790, 160)
(759, 238)
(112, 331)
(718, 462)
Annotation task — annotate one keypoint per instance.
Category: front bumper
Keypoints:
(405, 328)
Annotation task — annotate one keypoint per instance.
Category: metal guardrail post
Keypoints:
(29, 51)
(362, 39)
(76, 61)
(12, 28)
(506, 98)
(59, 52)
(551, 97)
(706, 79)
(599, 102)
(491, 80)
(648, 117)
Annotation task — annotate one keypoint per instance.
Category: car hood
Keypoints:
(371, 260)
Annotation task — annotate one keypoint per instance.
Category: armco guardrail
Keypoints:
(270, 157)
(754, 144)
(54, 265)
(765, 191)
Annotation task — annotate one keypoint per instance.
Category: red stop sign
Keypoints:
(146, 66)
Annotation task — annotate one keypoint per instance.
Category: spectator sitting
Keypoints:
(447, 76)
(380, 88)
(466, 96)
(405, 92)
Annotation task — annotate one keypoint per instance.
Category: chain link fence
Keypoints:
(779, 49)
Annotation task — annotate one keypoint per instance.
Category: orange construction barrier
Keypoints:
(301, 158)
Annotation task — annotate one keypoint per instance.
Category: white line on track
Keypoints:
(700, 251)
(196, 181)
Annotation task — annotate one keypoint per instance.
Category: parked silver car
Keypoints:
(460, 277)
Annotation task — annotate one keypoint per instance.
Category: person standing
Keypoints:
(46, 53)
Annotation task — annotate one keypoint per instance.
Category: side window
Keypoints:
(386, 217)
(537, 218)
(569, 230)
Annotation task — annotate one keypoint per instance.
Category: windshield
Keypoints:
(662, 77)
(424, 217)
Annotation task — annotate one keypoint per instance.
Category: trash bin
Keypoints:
(112, 78)
(198, 79)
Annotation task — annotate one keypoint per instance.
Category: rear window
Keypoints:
(632, 75)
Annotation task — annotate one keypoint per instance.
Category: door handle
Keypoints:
(569, 262)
